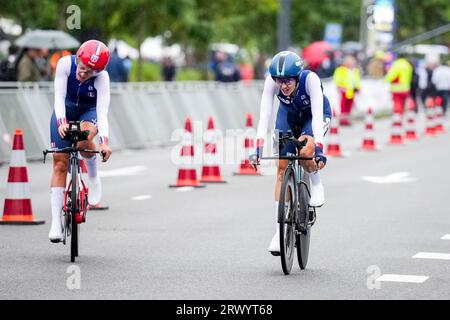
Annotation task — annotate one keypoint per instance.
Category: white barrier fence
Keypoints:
(146, 114)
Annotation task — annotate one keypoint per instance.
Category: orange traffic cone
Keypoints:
(211, 169)
(431, 128)
(246, 168)
(334, 148)
(187, 175)
(397, 129)
(439, 128)
(369, 139)
(410, 121)
(17, 208)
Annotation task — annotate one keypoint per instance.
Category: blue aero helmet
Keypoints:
(286, 64)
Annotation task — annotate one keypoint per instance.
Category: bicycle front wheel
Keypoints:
(73, 212)
(286, 219)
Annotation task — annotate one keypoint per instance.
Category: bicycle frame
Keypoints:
(294, 220)
(82, 197)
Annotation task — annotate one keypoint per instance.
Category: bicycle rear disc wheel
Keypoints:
(303, 238)
(73, 212)
(286, 213)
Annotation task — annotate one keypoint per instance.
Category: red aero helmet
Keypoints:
(94, 54)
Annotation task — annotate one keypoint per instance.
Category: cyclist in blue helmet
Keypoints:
(304, 110)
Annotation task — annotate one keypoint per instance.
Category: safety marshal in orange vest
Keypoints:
(348, 80)
(400, 76)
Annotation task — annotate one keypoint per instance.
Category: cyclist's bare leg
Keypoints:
(60, 166)
(58, 184)
(308, 152)
(95, 187)
(281, 167)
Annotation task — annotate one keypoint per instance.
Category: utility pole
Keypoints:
(363, 28)
(284, 25)
(364, 32)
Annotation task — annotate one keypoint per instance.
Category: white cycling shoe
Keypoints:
(55, 235)
(317, 195)
(95, 191)
(274, 247)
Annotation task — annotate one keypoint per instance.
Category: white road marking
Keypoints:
(398, 177)
(446, 237)
(402, 278)
(142, 197)
(432, 255)
(184, 189)
(128, 171)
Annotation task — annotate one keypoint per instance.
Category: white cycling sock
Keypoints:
(57, 200)
(315, 178)
(91, 165)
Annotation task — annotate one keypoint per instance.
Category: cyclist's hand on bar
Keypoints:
(105, 152)
(319, 157)
(62, 129)
(255, 158)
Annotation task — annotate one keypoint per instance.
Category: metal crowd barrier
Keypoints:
(146, 114)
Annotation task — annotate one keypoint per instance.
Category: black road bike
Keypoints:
(295, 216)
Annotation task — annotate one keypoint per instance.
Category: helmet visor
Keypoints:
(286, 81)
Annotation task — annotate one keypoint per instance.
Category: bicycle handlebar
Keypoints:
(70, 150)
(287, 158)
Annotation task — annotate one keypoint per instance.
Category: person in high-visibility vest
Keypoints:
(348, 80)
(55, 58)
(399, 76)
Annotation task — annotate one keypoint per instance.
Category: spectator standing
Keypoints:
(226, 69)
(348, 81)
(27, 70)
(128, 65)
(375, 67)
(8, 66)
(441, 81)
(168, 70)
(415, 86)
(55, 58)
(328, 66)
(260, 67)
(425, 73)
(400, 77)
(43, 65)
(116, 68)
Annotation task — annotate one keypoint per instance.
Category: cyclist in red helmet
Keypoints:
(81, 94)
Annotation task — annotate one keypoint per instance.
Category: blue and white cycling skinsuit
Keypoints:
(307, 112)
(79, 101)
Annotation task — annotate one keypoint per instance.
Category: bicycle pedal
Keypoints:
(275, 254)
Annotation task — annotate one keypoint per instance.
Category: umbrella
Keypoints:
(48, 39)
(316, 52)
